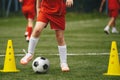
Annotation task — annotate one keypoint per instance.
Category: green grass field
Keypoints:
(84, 36)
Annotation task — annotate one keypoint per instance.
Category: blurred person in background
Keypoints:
(29, 11)
(113, 12)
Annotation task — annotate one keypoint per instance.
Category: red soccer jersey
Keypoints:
(56, 7)
(28, 5)
(113, 4)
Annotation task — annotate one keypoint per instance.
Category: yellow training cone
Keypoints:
(9, 64)
(113, 67)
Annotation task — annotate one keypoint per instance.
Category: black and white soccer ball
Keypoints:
(40, 65)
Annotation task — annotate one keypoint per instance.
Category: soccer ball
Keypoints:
(40, 65)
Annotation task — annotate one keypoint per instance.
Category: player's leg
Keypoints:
(114, 30)
(62, 50)
(57, 23)
(30, 17)
(40, 24)
(113, 15)
(25, 13)
(29, 29)
(107, 28)
(33, 42)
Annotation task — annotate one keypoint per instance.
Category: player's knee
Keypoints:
(60, 40)
(36, 33)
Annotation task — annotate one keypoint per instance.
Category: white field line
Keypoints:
(69, 54)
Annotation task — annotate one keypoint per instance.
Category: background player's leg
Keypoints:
(29, 29)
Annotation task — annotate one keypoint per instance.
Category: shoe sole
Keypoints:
(115, 32)
(27, 39)
(65, 69)
(25, 35)
(106, 32)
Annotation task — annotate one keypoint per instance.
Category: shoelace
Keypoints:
(24, 51)
(25, 54)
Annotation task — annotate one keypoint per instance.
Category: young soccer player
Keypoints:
(113, 11)
(53, 12)
(28, 9)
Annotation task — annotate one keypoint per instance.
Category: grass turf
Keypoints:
(83, 35)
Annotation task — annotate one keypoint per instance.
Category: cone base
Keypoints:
(9, 70)
(112, 74)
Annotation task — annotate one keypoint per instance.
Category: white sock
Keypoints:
(32, 44)
(62, 53)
